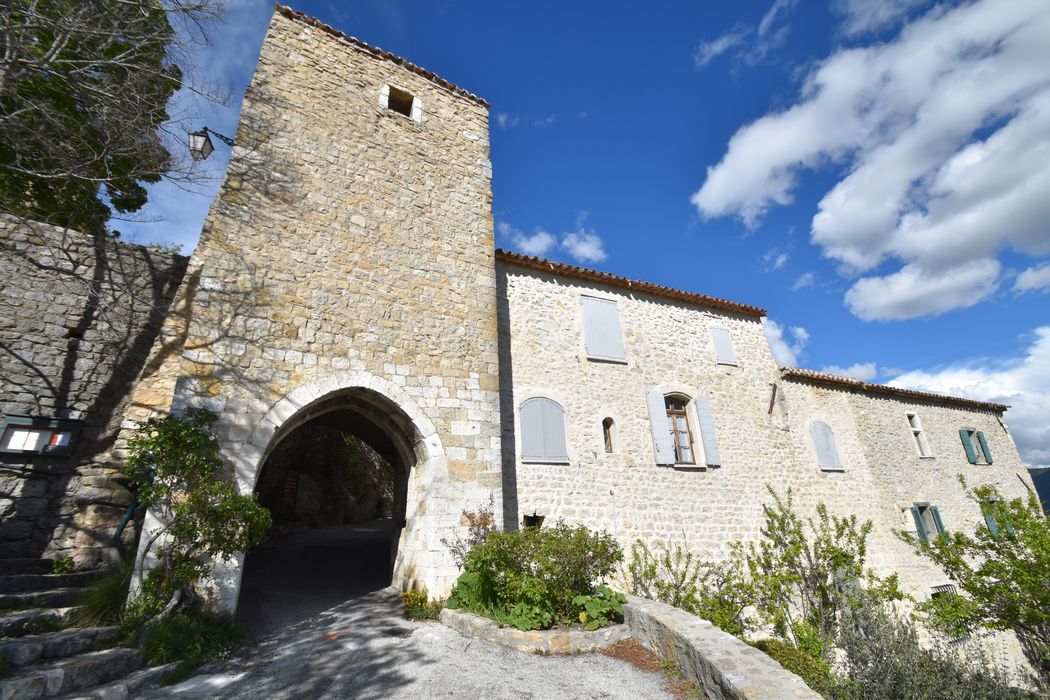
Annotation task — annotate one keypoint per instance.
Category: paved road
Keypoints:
(364, 648)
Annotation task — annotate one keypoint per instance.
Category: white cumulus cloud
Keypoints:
(786, 343)
(944, 135)
(539, 243)
(806, 279)
(1022, 382)
(1034, 278)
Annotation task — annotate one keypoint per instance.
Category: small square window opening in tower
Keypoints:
(400, 101)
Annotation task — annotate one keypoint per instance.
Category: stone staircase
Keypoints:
(42, 655)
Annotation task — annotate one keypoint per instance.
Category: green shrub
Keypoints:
(62, 565)
(192, 637)
(103, 601)
(886, 662)
(814, 671)
(418, 606)
(530, 578)
(600, 609)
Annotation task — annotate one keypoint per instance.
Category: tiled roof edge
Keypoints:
(816, 377)
(380, 53)
(625, 283)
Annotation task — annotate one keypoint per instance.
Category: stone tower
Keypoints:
(346, 268)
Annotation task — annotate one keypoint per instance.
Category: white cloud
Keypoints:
(785, 351)
(806, 279)
(1034, 278)
(861, 16)
(914, 291)
(539, 243)
(944, 133)
(777, 8)
(545, 121)
(505, 121)
(585, 246)
(1022, 382)
(864, 371)
(776, 259)
(707, 51)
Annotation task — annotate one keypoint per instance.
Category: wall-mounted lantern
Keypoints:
(26, 435)
(200, 142)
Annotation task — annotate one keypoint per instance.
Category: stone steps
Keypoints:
(57, 598)
(16, 624)
(25, 566)
(30, 649)
(131, 686)
(72, 674)
(23, 583)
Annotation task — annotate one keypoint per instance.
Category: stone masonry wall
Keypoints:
(78, 315)
(350, 248)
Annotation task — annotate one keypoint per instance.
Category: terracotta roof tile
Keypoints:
(379, 53)
(815, 377)
(589, 275)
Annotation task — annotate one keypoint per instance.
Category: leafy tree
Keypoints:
(1003, 570)
(175, 467)
(84, 89)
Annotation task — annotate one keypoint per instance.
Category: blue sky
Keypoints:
(875, 173)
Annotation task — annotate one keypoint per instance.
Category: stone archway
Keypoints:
(409, 439)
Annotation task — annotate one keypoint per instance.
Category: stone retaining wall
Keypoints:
(719, 663)
(536, 641)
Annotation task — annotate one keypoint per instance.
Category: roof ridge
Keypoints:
(853, 382)
(626, 283)
(380, 53)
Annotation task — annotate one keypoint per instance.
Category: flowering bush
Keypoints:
(418, 606)
(530, 578)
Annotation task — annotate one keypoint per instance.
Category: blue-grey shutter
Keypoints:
(971, 456)
(937, 519)
(532, 429)
(989, 520)
(553, 431)
(824, 444)
(601, 328)
(707, 431)
(663, 445)
(723, 346)
(984, 447)
(920, 527)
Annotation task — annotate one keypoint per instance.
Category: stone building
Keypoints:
(347, 277)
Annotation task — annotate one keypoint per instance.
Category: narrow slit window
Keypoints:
(917, 433)
(400, 101)
(607, 434)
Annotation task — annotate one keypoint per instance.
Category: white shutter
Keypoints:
(707, 431)
(723, 346)
(553, 431)
(663, 446)
(824, 443)
(601, 328)
(532, 429)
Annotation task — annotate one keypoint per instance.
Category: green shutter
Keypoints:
(920, 528)
(989, 520)
(937, 519)
(971, 456)
(984, 447)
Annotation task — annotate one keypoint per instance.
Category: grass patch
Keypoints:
(103, 601)
(191, 637)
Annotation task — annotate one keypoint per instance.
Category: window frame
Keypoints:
(673, 428)
(609, 435)
(976, 446)
(918, 434)
(929, 515)
(415, 106)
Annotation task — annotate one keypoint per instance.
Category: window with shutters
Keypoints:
(927, 521)
(995, 518)
(918, 435)
(976, 446)
(683, 430)
(607, 433)
(542, 431)
(602, 333)
(824, 444)
(724, 354)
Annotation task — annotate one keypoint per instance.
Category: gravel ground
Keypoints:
(364, 648)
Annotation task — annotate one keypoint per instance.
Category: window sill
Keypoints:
(727, 364)
(545, 460)
(607, 360)
(833, 470)
(927, 457)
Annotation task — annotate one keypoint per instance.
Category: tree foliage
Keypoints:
(174, 465)
(1003, 571)
(84, 92)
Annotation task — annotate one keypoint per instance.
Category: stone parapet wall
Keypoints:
(719, 663)
(78, 315)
